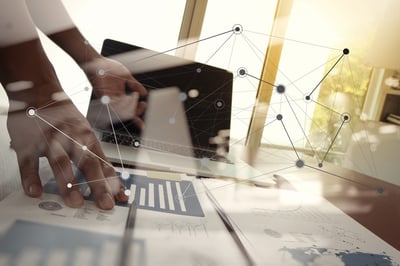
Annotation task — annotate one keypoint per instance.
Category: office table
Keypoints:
(371, 202)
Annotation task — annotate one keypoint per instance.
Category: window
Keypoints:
(244, 49)
(152, 24)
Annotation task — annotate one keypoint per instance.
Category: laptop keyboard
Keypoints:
(132, 141)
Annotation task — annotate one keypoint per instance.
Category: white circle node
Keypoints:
(31, 112)
(105, 99)
(124, 175)
(69, 185)
(84, 147)
(193, 93)
(136, 143)
(101, 72)
(127, 192)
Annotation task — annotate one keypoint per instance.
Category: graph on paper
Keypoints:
(45, 244)
(169, 196)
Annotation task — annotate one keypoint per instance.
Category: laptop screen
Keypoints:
(206, 91)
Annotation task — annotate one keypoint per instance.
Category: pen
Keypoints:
(128, 235)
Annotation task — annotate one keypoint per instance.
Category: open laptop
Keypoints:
(186, 122)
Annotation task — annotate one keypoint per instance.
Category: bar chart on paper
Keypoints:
(170, 196)
(156, 194)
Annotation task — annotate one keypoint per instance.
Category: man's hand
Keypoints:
(60, 133)
(43, 122)
(113, 80)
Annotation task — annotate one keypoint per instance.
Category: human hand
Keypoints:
(113, 83)
(51, 126)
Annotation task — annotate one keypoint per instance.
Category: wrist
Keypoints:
(27, 75)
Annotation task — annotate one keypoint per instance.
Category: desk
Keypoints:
(371, 202)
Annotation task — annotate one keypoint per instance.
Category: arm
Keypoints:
(59, 27)
(55, 129)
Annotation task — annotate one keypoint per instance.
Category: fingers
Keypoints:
(118, 189)
(61, 165)
(113, 181)
(136, 86)
(28, 168)
(90, 164)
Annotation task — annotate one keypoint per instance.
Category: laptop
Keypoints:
(186, 121)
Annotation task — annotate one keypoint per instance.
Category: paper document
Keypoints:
(175, 224)
(286, 227)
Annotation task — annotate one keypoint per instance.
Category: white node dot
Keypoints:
(193, 93)
(69, 185)
(124, 175)
(136, 143)
(31, 112)
(84, 148)
(127, 192)
(198, 70)
(101, 72)
(105, 99)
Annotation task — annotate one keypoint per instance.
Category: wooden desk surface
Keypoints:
(372, 202)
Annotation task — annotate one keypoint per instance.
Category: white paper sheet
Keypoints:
(286, 227)
(179, 227)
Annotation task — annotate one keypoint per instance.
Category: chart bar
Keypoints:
(170, 197)
(161, 196)
(151, 195)
(142, 199)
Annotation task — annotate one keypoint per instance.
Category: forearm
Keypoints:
(27, 74)
(60, 28)
(75, 44)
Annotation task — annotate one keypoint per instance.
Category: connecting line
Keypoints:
(327, 107)
(379, 190)
(231, 54)
(254, 77)
(291, 142)
(181, 46)
(73, 140)
(219, 48)
(93, 181)
(292, 40)
(330, 146)
(298, 122)
(239, 140)
(234, 180)
(115, 137)
(184, 192)
(324, 77)
(254, 48)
